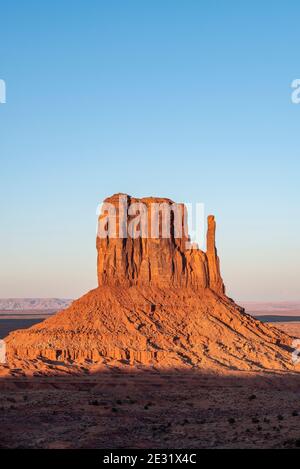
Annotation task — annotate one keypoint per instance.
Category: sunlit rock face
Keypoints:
(150, 246)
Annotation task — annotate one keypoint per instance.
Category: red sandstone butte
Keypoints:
(158, 303)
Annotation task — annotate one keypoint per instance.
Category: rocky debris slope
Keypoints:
(159, 302)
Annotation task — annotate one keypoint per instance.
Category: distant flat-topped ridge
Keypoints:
(19, 304)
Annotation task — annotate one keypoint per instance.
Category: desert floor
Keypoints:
(176, 409)
(114, 408)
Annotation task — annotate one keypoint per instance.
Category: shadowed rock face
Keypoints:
(158, 302)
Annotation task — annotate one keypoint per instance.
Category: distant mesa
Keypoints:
(21, 304)
(158, 303)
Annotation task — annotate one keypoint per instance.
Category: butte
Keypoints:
(159, 303)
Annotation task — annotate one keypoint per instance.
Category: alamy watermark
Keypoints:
(2, 92)
(295, 96)
(2, 351)
(296, 351)
(126, 218)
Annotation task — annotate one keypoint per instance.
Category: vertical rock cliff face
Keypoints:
(214, 276)
(159, 301)
(164, 260)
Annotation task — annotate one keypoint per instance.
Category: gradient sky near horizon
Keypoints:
(189, 100)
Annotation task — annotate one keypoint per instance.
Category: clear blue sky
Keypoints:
(185, 99)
